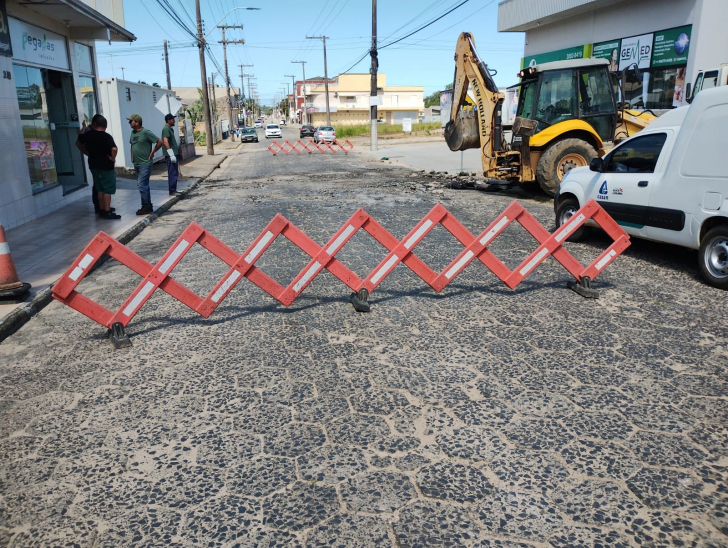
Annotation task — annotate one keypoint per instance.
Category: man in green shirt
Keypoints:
(143, 146)
(170, 151)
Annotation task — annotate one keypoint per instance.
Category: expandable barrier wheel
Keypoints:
(324, 257)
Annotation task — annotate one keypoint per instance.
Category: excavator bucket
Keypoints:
(462, 132)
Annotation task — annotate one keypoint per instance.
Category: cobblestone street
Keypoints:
(478, 417)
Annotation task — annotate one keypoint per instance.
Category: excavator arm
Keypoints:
(479, 127)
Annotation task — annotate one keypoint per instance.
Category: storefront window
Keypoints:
(36, 128)
(88, 97)
(657, 89)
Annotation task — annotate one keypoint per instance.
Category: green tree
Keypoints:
(433, 100)
(156, 85)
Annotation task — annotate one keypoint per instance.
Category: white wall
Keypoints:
(116, 108)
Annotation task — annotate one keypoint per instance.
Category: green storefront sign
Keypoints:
(671, 47)
(578, 52)
(609, 51)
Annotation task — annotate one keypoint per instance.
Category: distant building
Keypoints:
(49, 87)
(668, 41)
(349, 100)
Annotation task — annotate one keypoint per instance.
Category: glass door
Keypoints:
(39, 149)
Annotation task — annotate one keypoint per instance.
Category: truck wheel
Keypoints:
(559, 159)
(565, 210)
(713, 257)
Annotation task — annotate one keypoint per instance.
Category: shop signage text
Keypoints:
(672, 46)
(636, 50)
(36, 45)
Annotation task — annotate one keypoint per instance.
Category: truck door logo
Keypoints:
(603, 191)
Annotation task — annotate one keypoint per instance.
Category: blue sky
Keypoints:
(275, 35)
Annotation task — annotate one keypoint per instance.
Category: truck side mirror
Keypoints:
(688, 95)
(596, 164)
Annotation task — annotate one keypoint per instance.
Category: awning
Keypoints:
(84, 22)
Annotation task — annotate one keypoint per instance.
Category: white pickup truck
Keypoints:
(668, 183)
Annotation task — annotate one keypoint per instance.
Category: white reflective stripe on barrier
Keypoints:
(136, 301)
(333, 248)
(382, 271)
(4, 248)
(307, 276)
(485, 240)
(570, 227)
(533, 262)
(420, 231)
(258, 247)
(87, 260)
(184, 244)
(225, 286)
(458, 265)
(605, 260)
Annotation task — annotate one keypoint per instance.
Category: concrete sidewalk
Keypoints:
(44, 248)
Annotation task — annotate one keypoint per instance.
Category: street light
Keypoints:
(224, 16)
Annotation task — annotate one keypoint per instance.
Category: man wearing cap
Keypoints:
(170, 151)
(143, 146)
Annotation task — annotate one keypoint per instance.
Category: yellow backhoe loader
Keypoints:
(567, 114)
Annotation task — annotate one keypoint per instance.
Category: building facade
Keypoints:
(349, 101)
(48, 89)
(667, 40)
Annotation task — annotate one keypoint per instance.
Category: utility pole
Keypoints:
(249, 76)
(288, 92)
(203, 75)
(214, 98)
(304, 119)
(374, 96)
(242, 89)
(227, 76)
(169, 80)
(326, 77)
(295, 95)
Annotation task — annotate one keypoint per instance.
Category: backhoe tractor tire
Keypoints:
(565, 211)
(713, 257)
(559, 159)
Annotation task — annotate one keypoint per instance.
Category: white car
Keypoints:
(258, 124)
(668, 183)
(273, 130)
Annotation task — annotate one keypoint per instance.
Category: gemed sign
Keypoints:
(636, 50)
(38, 46)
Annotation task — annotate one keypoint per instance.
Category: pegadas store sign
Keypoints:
(38, 46)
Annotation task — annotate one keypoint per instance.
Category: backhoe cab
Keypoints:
(566, 112)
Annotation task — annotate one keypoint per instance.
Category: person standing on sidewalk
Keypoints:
(101, 150)
(143, 146)
(84, 129)
(170, 150)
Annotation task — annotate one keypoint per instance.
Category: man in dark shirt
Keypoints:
(101, 150)
(94, 191)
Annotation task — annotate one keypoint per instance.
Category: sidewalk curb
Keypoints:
(20, 316)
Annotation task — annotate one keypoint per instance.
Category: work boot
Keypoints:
(175, 193)
(109, 215)
(145, 210)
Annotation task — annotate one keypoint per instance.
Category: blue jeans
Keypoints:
(143, 174)
(172, 174)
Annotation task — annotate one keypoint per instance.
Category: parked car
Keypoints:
(307, 131)
(273, 130)
(248, 134)
(324, 133)
(668, 183)
(258, 124)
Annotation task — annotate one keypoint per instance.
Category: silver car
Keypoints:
(324, 133)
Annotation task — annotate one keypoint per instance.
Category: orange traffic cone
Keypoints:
(10, 286)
